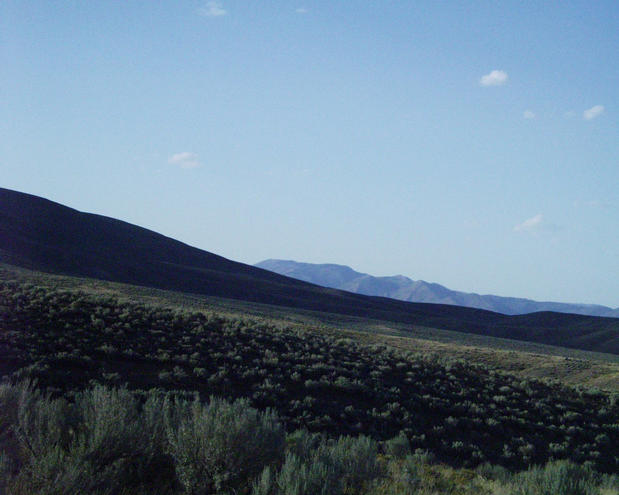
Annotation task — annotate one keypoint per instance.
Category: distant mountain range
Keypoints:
(403, 288)
(38, 234)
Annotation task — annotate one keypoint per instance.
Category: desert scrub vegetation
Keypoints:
(464, 414)
(112, 441)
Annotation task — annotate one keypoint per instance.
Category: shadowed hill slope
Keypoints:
(39, 234)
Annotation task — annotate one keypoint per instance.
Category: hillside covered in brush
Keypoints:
(39, 234)
(464, 414)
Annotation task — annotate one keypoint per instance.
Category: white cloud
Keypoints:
(530, 224)
(593, 112)
(528, 114)
(185, 159)
(212, 9)
(301, 10)
(494, 78)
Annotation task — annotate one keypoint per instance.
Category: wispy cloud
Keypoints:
(531, 224)
(301, 10)
(185, 159)
(494, 78)
(593, 112)
(528, 114)
(212, 9)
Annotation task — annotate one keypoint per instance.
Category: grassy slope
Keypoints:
(524, 359)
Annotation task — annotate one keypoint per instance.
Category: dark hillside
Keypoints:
(39, 234)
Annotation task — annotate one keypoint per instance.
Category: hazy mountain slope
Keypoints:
(40, 234)
(405, 289)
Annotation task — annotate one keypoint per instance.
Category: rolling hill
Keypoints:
(36, 233)
(403, 288)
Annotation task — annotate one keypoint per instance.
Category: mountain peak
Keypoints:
(405, 289)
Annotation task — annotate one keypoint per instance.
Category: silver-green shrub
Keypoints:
(398, 447)
(344, 466)
(221, 446)
(103, 442)
(556, 478)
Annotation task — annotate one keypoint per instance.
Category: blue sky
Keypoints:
(474, 144)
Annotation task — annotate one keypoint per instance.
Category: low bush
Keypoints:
(557, 478)
(221, 446)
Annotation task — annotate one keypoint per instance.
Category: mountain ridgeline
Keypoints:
(38, 234)
(403, 288)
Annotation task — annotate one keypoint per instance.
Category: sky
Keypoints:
(470, 143)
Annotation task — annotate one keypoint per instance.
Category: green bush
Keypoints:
(309, 477)
(303, 443)
(398, 447)
(102, 442)
(343, 466)
(221, 446)
(494, 472)
(556, 478)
